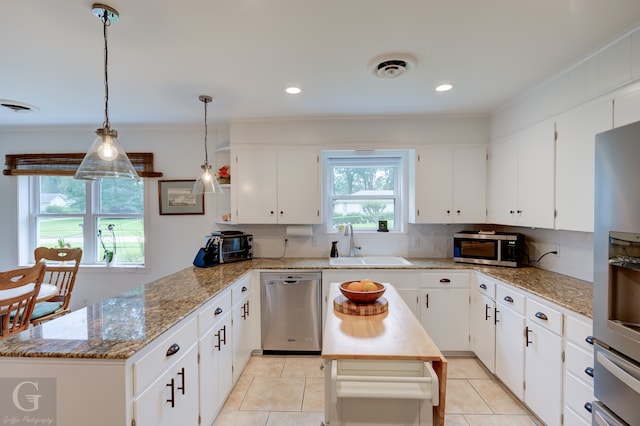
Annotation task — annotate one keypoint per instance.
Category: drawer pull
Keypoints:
(218, 311)
(589, 340)
(541, 316)
(589, 371)
(588, 406)
(172, 400)
(445, 280)
(483, 286)
(244, 289)
(173, 349)
(426, 302)
(508, 299)
(527, 330)
(181, 373)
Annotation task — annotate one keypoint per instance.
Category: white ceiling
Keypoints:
(164, 53)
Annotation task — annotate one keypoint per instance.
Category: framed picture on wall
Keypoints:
(176, 198)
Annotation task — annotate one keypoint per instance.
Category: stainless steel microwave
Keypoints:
(488, 248)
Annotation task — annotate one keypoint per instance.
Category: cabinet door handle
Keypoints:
(588, 406)
(541, 316)
(445, 280)
(271, 212)
(486, 312)
(495, 316)
(511, 211)
(426, 302)
(181, 373)
(519, 211)
(589, 371)
(448, 211)
(526, 336)
(281, 212)
(218, 311)
(224, 334)
(483, 286)
(218, 345)
(589, 340)
(172, 400)
(458, 211)
(508, 299)
(173, 349)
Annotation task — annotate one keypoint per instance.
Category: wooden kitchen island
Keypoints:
(379, 368)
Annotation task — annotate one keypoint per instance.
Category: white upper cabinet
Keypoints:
(450, 185)
(626, 108)
(277, 186)
(522, 177)
(575, 160)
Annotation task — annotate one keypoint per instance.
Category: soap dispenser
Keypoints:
(334, 249)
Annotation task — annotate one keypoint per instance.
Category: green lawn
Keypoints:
(129, 236)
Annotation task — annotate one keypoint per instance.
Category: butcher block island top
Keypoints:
(393, 335)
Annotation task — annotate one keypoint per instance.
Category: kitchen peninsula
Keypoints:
(123, 347)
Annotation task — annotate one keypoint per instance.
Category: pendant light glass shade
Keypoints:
(207, 183)
(106, 158)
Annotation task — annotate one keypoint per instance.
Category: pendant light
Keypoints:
(106, 157)
(207, 182)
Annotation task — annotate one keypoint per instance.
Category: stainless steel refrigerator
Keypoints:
(616, 305)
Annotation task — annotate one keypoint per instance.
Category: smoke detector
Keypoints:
(392, 65)
(16, 106)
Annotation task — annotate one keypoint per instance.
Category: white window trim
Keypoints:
(27, 237)
(401, 182)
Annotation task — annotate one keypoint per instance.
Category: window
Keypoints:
(362, 188)
(97, 216)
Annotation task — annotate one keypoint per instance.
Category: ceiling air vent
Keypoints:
(17, 106)
(392, 65)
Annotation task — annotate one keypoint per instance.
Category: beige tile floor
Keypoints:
(289, 390)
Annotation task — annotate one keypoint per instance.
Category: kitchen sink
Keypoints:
(369, 261)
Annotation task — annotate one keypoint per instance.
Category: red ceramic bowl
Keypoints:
(362, 296)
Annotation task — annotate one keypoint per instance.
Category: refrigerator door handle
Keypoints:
(619, 372)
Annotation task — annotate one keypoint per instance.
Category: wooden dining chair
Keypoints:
(61, 269)
(16, 310)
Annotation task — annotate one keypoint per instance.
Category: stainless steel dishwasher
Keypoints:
(290, 309)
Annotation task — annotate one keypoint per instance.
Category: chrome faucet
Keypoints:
(348, 232)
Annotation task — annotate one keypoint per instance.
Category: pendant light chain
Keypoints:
(106, 23)
(206, 132)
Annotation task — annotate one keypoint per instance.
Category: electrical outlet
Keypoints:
(415, 240)
(556, 247)
(314, 241)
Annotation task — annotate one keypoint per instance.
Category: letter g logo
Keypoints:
(33, 398)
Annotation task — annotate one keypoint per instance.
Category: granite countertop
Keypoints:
(120, 326)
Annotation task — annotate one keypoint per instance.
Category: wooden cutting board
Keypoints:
(345, 306)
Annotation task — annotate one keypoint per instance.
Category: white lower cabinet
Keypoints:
(510, 344)
(578, 372)
(243, 316)
(444, 309)
(483, 321)
(543, 361)
(216, 356)
(173, 397)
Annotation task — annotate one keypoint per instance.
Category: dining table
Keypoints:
(47, 291)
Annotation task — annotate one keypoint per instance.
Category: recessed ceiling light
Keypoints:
(293, 90)
(444, 87)
(16, 106)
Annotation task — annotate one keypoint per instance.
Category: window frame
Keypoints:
(29, 210)
(374, 157)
